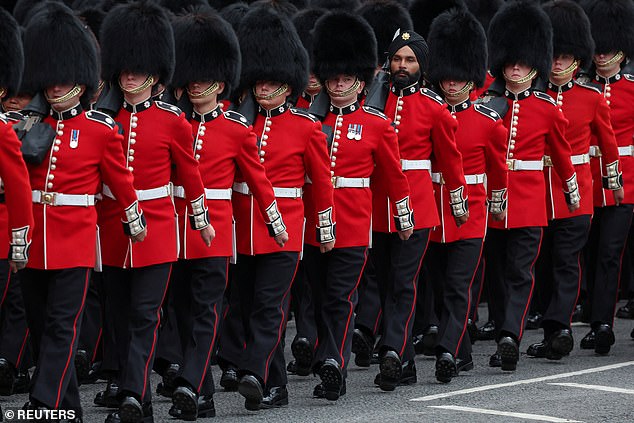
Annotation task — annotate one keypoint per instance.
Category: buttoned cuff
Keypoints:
(135, 220)
(572, 191)
(20, 244)
(404, 218)
(458, 202)
(614, 179)
(199, 217)
(497, 203)
(326, 231)
(275, 225)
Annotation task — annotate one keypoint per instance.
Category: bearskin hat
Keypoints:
(612, 24)
(283, 7)
(271, 50)
(457, 48)
(385, 17)
(137, 37)
(484, 10)
(25, 9)
(348, 5)
(11, 54)
(520, 33)
(344, 43)
(207, 49)
(234, 14)
(46, 40)
(304, 22)
(178, 7)
(571, 30)
(423, 12)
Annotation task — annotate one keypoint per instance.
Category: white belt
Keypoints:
(626, 151)
(469, 179)
(144, 194)
(58, 199)
(515, 165)
(243, 188)
(341, 182)
(415, 164)
(210, 193)
(594, 151)
(577, 159)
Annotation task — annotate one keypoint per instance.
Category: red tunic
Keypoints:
(481, 139)
(224, 142)
(157, 136)
(291, 147)
(619, 94)
(425, 128)
(588, 117)
(86, 153)
(538, 123)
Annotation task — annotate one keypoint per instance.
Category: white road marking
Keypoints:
(525, 416)
(524, 382)
(596, 388)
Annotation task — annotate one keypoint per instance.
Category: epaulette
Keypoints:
(429, 93)
(629, 77)
(3, 118)
(374, 112)
(168, 107)
(304, 113)
(543, 96)
(236, 117)
(14, 116)
(101, 117)
(496, 103)
(589, 86)
(483, 110)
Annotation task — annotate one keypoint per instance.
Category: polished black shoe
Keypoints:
(94, 374)
(495, 360)
(561, 344)
(534, 320)
(7, 377)
(472, 330)
(251, 389)
(291, 367)
(604, 339)
(204, 408)
(588, 341)
(509, 353)
(109, 397)
(229, 379)
(302, 351)
(131, 411)
(577, 314)
(362, 346)
(82, 365)
(487, 332)
(331, 379)
(275, 397)
(425, 343)
(320, 392)
(390, 369)
(626, 311)
(445, 367)
(22, 382)
(408, 375)
(538, 349)
(464, 365)
(166, 388)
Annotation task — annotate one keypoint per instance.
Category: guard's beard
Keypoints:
(402, 79)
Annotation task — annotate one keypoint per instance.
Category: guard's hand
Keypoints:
(498, 217)
(282, 239)
(140, 236)
(619, 196)
(208, 234)
(462, 219)
(404, 235)
(324, 248)
(573, 207)
(16, 265)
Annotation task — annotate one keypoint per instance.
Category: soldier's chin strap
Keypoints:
(2, 92)
(145, 85)
(524, 79)
(345, 93)
(209, 91)
(314, 87)
(618, 56)
(72, 93)
(281, 90)
(570, 69)
(467, 88)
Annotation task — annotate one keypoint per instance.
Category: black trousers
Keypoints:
(368, 312)
(511, 256)
(452, 274)
(169, 349)
(136, 296)
(425, 302)
(334, 277)
(303, 307)
(612, 225)
(14, 331)
(198, 290)
(232, 338)
(397, 264)
(54, 302)
(477, 288)
(264, 284)
(564, 240)
(90, 338)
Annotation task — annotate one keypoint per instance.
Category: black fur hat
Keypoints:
(25, 9)
(612, 25)
(484, 10)
(271, 50)
(349, 5)
(385, 17)
(11, 54)
(344, 43)
(284, 7)
(207, 49)
(423, 12)
(521, 33)
(46, 41)
(178, 7)
(457, 48)
(304, 22)
(234, 13)
(137, 37)
(571, 30)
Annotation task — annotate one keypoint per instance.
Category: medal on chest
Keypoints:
(74, 138)
(355, 131)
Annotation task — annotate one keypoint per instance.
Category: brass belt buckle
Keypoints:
(47, 198)
(334, 181)
(510, 164)
(548, 162)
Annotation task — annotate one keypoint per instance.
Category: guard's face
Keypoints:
(266, 88)
(55, 92)
(196, 89)
(516, 70)
(562, 62)
(341, 89)
(404, 64)
(16, 103)
(130, 80)
(452, 87)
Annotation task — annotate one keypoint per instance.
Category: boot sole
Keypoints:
(130, 414)
(444, 371)
(187, 405)
(303, 358)
(510, 356)
(331, 380)
(390, 369)
(603, 342)
(252, 395)
(562, 345)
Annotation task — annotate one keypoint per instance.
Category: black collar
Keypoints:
(460, 107)
(521, 96)
(610, 80)
(309, 98)
(273, 112)
(409, 90)
(139, 107)
(67, 114)
(207, 117)
(561, 88)
(345, 110)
